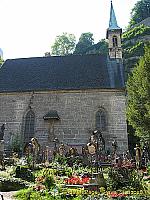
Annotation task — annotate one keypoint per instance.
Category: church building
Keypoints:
(66, 97)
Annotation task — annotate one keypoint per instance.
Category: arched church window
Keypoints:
(101, 120)
(29, 126)
(115, 41)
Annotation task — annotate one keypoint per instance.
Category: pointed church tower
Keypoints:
(114, 36)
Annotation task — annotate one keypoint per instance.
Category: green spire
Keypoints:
(113, 21)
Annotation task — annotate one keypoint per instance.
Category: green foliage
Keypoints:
(100, 48)
(49, 182)
(138, 88)
(140, 12)
(119, 178)
(135, 32)
(12, 184)
(132, 141)
(148, 170)
(16, 144)
(135, 50)
(60, 159)
(27, 194)
(24, 173)
(57, 171)
(48, 178)
(85, 41)
(133, 46)
(9, 172)
(1, 62)
(64, 45)
(23, 194)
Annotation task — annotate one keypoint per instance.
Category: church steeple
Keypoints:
(113, 21)
(114, 36)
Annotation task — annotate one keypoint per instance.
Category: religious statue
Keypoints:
(114, 145)
(99, 140)
(62, 150)
(35, 148)
(85, 150)
(27, 149)
(2, 132)
(138, 156)
(32, 150)
(91, 148)
(73, 152)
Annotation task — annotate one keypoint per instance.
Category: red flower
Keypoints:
(115, 194)
(77, 180)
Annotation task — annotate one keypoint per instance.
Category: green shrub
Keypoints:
(24, 173)
(47, 178)
(12, 184)
(136, 50)
(30, 194)
(119, 178)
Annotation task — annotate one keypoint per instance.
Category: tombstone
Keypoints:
(145, 156)
(147, 149)
(55, 151)
(2, 154)
(2, 132)
(128, 155)
(46, 156)
(114, 146)
(73, 152)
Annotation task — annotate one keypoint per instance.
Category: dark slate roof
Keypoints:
(52, 114)
(60, 72)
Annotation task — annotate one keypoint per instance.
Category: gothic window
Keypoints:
(29, 126)
(101, 120)
(115, 41)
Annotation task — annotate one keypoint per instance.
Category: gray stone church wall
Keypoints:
(77, 112)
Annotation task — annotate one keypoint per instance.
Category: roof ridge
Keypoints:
(55, 56)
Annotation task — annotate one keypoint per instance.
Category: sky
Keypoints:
(29, 27)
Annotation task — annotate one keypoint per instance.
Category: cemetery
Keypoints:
(75, 125)
(65, 174)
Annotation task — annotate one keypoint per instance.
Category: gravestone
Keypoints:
(2, 146)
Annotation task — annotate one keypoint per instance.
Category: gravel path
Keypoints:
(7, 195)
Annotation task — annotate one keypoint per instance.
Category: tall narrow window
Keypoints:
(101, 120)
(29, 126)
(115, 41)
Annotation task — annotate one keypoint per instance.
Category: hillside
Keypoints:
(133, 42)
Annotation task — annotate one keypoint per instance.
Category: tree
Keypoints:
(100, 48)
(64, 44)
(1, 61)
(140, 12)
(85, 41)
(138, 90)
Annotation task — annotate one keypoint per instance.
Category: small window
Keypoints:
(29, 126)
(115, 41)
(101, 120)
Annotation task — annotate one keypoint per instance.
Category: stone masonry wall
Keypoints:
(76, 109)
